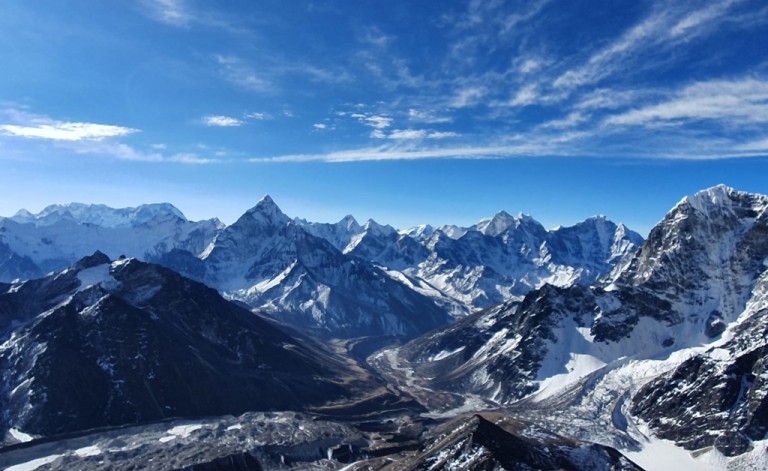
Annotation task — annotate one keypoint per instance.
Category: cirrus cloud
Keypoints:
(66, 131)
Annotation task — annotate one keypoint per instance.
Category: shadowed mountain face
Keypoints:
(108, 343)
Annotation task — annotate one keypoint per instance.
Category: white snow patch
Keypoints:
(121, 262)
(184, 431)
(445, 354)
(661, 455)
(34, 464)
(235, 427)
(578, 366)
(98, 275)
(18, 434)
(88, 451)
(268, 284)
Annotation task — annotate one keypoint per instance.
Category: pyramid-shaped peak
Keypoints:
(266, 200)
(266, 205)
(349, 222)
(267, 211)
(23, 214)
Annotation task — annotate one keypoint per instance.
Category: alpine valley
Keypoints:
(136, 339)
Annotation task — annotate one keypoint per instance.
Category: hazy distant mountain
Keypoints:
(61, 234)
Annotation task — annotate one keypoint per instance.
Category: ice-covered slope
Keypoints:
(61, 234)
(697, 283)
(116, 342)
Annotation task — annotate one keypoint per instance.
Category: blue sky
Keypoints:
(405, 111)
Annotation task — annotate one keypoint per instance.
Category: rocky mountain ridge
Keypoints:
(106, 343)
(689, 305)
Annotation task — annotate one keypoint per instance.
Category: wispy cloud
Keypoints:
(172, 12)
(373, 120)
(608, 99)
(406, 134)
(61, 137)
(271, 71)
(393, 153)
(429, 117)
(468, 96)
(241, 73)
(572, 119)
(725, 102)
(222, 121)
(257, 116)
(121, 151)
(664, 28)
(760, 145)
(66, 131)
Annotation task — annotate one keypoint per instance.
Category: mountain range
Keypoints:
(497, 346)
(338, 280)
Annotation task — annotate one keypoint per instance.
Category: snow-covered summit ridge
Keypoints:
(503, 221)
(707, 228)
(99, 214)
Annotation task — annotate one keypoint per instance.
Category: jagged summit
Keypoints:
(266, 205)
(419, 232)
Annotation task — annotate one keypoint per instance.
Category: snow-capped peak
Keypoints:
(721, 198)
(99, 214)
(497, 224)
(374, 228)
(349, 223)
(419, 232)
(267, 211)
